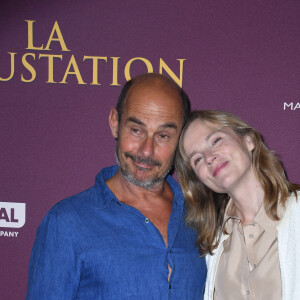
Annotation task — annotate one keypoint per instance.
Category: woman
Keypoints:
(243, 208)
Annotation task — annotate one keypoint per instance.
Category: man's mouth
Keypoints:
(143, 163)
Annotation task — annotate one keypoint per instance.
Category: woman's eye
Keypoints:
(216, 140)
(197, 160)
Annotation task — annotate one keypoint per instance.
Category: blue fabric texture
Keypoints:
(92, 246)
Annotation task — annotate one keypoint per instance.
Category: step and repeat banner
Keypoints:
(62, 67)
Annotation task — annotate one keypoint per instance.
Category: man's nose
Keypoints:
(147, 147)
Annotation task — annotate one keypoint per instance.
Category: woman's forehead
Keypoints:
(200, 131)
(202, 127)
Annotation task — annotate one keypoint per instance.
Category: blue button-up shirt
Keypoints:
(92, 246)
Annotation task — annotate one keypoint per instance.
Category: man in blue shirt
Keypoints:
(125, 238)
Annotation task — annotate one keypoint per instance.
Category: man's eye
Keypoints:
(163, 136)
(135, 130)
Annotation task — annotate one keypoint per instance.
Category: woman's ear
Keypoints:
(113, 122)
(249, 142)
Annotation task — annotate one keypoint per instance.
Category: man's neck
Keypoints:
(125, 191)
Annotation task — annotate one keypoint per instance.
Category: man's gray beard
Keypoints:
(146, 184)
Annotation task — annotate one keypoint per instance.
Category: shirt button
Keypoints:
(251, 236)
(147, 220)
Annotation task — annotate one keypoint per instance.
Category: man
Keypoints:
(125, 238)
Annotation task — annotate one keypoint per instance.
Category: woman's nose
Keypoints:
(210, 157)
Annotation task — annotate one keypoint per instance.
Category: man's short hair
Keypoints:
(186, 107)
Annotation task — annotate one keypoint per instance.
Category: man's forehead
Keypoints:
(154, 79)
(147, 85)
(152, 99)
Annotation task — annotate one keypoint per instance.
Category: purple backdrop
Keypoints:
(240, 56)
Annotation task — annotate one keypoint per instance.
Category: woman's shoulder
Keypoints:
(293, 200)
(291, 210)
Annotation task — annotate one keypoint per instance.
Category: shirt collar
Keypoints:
(105, 195)
(261, 218)
(229, 216)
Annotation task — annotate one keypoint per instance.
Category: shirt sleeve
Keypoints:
(54, 269)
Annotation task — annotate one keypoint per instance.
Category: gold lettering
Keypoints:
(59, 38)
(163, 65)
(50, 65)
(29, 67)
(72, 63)
(115, 71)
(95, 67)
(12, 67)
(127, 67)
(30, 36)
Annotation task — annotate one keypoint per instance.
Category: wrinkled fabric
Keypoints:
(92, 246)
(249, 265)
(288, 229)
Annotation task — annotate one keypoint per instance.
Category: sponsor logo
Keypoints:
(12, 215)
(291, 105)
(9, 233)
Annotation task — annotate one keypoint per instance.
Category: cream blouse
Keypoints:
(249, 265)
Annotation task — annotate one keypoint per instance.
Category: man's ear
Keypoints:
(113, 122)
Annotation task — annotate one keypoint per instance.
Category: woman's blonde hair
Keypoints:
(205, 208)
